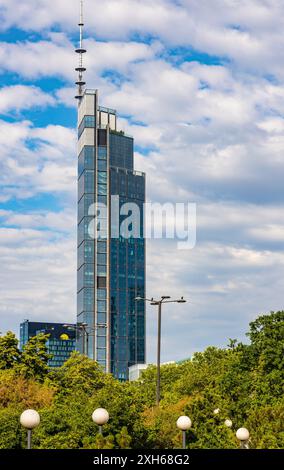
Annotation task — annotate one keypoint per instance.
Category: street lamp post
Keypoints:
(81, 327)
(87, 330)
(158, 391)
(29, 419)
(242, 435)
(165, 299)
(184, 424)
(100, 416)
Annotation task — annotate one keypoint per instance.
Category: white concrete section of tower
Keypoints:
(86, 106)
(112, 122)
(104, 119)
(87, 138)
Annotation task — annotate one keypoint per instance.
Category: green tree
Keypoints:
(267, 340)
(34, 358)
(11, 434)
(9, 352)
(245, 381)
(123, 439)
(79, 374)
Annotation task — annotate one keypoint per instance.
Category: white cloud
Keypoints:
(18, 97)
(63, 221)
(36, 160)
(56, 57)
(37, 59)
(248, 32)
(226, 287)
(38, 280)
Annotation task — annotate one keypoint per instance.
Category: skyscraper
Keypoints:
(111, 267)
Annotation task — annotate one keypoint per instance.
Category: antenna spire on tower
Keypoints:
(80, 83)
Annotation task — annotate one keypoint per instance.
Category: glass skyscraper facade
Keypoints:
(60, 344)
(111, 267)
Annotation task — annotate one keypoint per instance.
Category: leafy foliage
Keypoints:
(9, 352)
(245, 381)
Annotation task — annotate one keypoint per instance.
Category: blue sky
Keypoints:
(199, 84)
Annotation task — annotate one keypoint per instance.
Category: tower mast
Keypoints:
(81, 51)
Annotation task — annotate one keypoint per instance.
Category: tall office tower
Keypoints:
(111, 267)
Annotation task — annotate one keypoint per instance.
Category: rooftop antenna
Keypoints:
(80, 83)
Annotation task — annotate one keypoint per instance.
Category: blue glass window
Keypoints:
(101, 342)
(89, 181)
(101, 317)
(102, 177)
(87, 121)
(84, 205)
(102, 165)
(86, 160)
(101, 294)
(101, 331)
(81, 186)
(101, 270)
(121, 151)
(101, 247)
(102, 199)
(102, 259)
(86, 183)
(80, 301)
(102, 153)
(101, 354)
(140, 350)
(102, 189)
(83, 229)
(86, 276)
(132, 325)
(101, 304)
(85, 300)
(140, 326)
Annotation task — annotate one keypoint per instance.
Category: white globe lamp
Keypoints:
(242, 435)
(184, 424)
(100, 416)
(29, 419)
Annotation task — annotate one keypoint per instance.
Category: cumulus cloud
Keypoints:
(18, 97)
(38, 280)
(26, 58)
(226, 287)
(249, 32)
(36, 160)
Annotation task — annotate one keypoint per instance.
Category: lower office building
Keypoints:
(60, 344)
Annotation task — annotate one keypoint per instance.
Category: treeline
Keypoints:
(244, 381)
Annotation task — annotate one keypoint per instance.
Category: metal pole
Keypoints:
(84, 339)
(87, 338)
(244, 445)
(159, 353)
(100, 429)
(29, 442)
(184, 439)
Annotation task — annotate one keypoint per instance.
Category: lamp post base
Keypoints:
(29, 440)
(184, 439)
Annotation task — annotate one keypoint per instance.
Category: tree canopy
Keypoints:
(244, 381)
